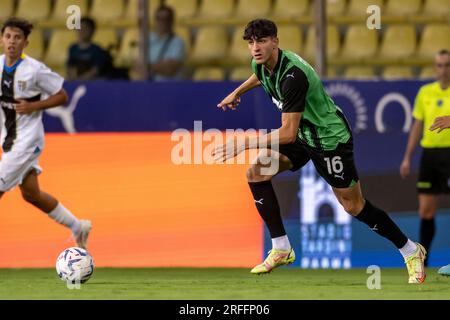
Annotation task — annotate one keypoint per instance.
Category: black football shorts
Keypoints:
(336, 166)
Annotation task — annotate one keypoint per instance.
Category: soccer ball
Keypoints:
(74, 265)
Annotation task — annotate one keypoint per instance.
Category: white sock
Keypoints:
(281, 243)
(408, 249)
(61, 215)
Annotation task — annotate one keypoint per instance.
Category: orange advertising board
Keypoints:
(146, 211)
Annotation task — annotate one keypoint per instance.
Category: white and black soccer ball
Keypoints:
(75, 265)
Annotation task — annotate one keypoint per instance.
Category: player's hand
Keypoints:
(440, 123)
(231, 101)
(24, 107)
(405, 168)
(226, 151)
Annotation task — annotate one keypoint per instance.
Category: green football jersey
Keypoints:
(294, 86)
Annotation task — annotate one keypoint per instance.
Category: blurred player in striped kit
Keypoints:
(27, 88)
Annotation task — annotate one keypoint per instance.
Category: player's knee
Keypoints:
(351, 207)
(254, 174)
(426, 213)
(32, 198)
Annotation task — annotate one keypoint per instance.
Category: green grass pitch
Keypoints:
(221, 284)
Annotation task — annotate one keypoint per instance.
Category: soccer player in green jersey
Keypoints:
(312, 128)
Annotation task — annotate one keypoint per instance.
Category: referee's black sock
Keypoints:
(427, 231)
(267, 204)
(381, 223)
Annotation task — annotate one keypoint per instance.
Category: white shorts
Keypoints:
(14, 167)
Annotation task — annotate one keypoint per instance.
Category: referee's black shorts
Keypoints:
(434, 173)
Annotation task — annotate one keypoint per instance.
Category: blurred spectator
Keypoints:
(167, 50)
(87, 60)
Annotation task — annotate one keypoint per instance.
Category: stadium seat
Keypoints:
(359, 43)
(397, 72)
(285, 9)
(247, 9)
(239, 52)
(209, 74)
(335, 7)
(106, 38)
(434, 38)
(333, 43)
(130, 17)
(33, 10)
(359, 7)
(35, 48)
(128, 51)
(6, 9)
(399, 41)
(184, 33)
(107, 11)
(59, 12)
(58, 47)
(427, 73)
(216, 9)
(291, 38)
(183, 8)
(61, 70)
(210, 45)
(402, 7)
(359, 72)
(331, 73)
(436, 7)
(240, 73)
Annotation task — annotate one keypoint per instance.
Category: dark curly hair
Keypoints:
(260, 28)
(22, 24)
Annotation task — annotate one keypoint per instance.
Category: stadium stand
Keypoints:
(57, 51)
(333, 43)
(128, 49)
(6, 9)
(413, 30)
(360, 44)
(106, 12)
(35, 48)
(209, 74)
(215, 9)
(33, 10)
(248, 9)
(297, 8)
(240, 73)
(291, 38)
(399, 41)
(106, 38)
(397, 72)
(210, 45)
(335, 8)
(360, 72)
(58, 15)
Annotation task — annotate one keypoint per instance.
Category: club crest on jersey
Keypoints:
(279, 104)
(22, 85)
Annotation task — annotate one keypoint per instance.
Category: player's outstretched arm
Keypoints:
(413, 141)
(234, 98)
(440, 123)
(286, 134)
(26, 107)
